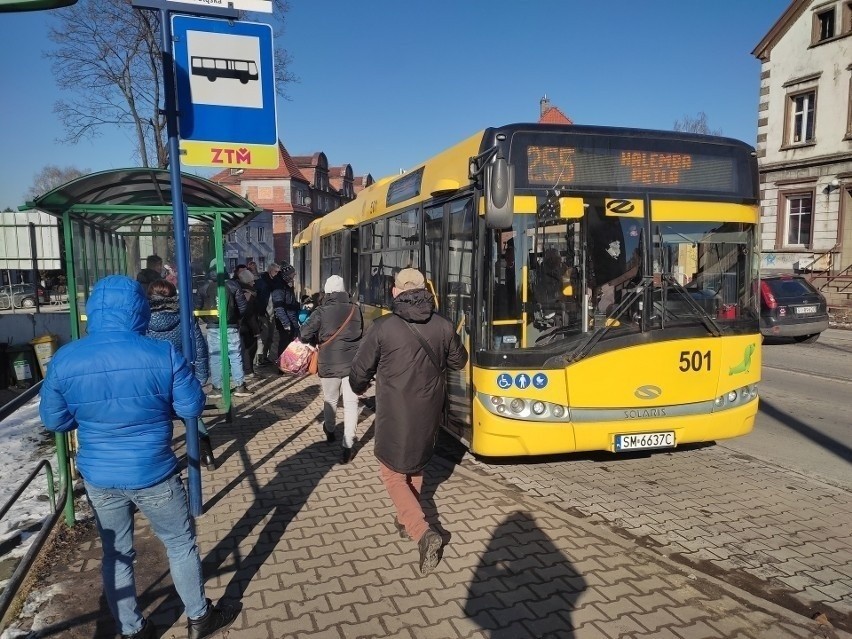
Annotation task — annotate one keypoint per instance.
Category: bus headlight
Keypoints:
(735, 398)
(519, 408)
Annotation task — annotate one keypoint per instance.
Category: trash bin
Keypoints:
(44, 346)
(21, 364)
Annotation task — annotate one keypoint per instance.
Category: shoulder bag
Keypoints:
(428, 349)
(313, 362)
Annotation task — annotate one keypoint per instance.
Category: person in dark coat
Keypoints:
(285, 308)
(249, 328)
(119, 390)
(165, 325)
(152, 272)
(335, 357)
(410, 396)
(264, 285)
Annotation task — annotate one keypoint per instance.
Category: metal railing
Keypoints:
(22, 570)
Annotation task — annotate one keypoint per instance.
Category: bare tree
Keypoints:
(108, 58)
(52, 176)
(698, 124)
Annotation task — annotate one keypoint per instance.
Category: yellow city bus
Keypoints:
(604, 281)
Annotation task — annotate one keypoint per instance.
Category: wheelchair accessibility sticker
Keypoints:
(539, 380)
(504, 381)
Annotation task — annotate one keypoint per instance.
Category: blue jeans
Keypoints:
(166, 507)
(235, 356)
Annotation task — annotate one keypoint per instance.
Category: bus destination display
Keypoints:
(628, 168)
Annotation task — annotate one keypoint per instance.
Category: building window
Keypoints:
(260, 234)
(849, 107)
(802, 118)
(824, 25)
(846, 25)
(261, 263)
(232, 237)
(799, 222)
(232, 264)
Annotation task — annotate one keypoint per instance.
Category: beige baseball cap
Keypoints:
(409, 278)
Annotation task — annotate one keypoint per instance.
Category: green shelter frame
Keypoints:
(101, 212)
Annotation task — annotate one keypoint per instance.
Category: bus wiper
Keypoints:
(595, 336)
(708, 321)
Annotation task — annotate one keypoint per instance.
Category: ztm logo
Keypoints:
(231, 156)
(648, 392)
(620, 207)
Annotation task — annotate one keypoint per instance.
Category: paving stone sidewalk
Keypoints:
(309, 548)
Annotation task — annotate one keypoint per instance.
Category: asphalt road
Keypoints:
(805, 419)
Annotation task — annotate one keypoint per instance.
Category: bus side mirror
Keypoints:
(499, 194)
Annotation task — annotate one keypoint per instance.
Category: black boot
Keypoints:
(207, 457)
(218, 617)
(346, 457)
(148, 631)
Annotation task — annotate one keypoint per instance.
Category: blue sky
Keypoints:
(385, 84)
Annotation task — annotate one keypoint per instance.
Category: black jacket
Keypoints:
(285, 307)
(410, 391)
(235, 303)
(335, 357)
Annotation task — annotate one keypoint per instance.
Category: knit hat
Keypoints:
(409, 278)
(334, 284)
(287, 272)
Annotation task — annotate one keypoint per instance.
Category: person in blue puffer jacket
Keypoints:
(165, 325)
(119, 390)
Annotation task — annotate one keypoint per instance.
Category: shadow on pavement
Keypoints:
(821, 439)
(519, 559)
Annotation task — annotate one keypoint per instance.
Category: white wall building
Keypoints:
(804, 141)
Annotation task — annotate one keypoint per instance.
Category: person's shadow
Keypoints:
(522, 569)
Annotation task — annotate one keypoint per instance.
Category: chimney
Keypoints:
(544, 105)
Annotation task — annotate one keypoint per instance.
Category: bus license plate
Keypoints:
(806, 309)
(641, 441)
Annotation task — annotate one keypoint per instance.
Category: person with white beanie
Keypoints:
(336, 328)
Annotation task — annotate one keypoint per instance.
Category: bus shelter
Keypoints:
(112, 220)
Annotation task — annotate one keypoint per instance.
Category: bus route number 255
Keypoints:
(694, 361)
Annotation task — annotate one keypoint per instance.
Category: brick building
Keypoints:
(300, 190)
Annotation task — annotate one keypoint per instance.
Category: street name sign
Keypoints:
(261, 6)
(226, 93)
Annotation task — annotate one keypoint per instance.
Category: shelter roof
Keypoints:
(112, 199)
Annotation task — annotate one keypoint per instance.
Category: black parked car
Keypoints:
(22, 296)
(791, 307)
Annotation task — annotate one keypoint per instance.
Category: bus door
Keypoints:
(458, 308)
(350, 267)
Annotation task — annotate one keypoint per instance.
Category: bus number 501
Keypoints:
(694, 361)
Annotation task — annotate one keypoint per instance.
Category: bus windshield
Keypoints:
(555, 282)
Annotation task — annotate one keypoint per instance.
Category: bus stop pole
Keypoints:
(181, 225)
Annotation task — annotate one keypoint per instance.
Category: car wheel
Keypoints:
(28, 302)
(808, 339)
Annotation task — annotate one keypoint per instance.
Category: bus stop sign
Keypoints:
(226, 93)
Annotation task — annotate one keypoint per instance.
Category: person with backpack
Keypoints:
(235, 306)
